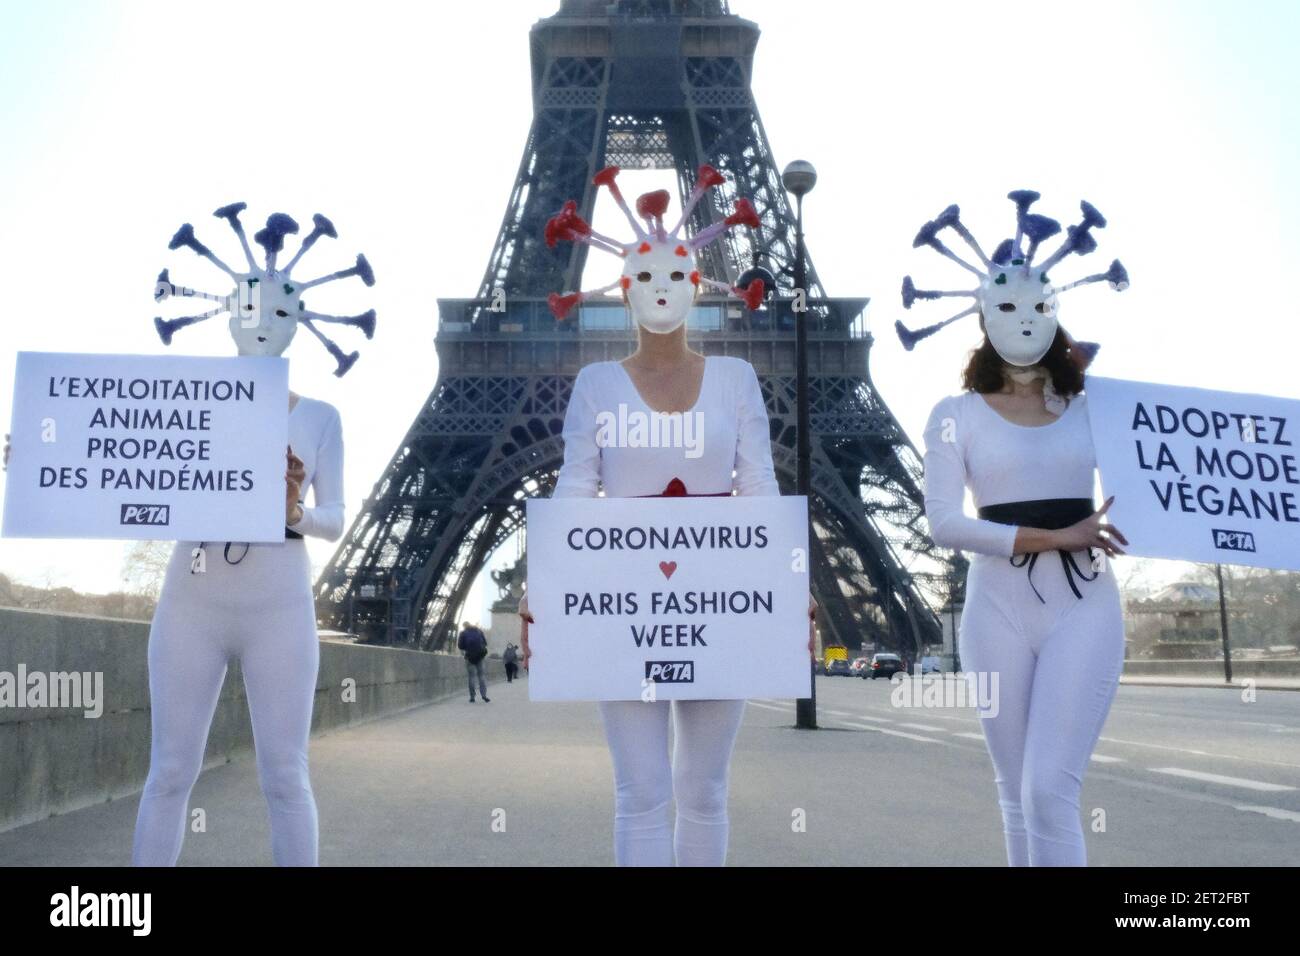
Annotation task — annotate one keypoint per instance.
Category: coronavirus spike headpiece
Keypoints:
(1015, 296)
(659, 271)
(266, 305)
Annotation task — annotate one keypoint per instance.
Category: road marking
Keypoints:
(1277, 813)
(839, 713)
(754, 703)
(894, 733)
(1220, 778)
(1102, 758)
(1199, 753)
(932, 729)
(970, 736)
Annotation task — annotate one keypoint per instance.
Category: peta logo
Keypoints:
(670, 672)
(1233, 540)
(146, 514)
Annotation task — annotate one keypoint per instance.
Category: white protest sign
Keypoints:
(1199, 475)
(148, 447)
(668, 598)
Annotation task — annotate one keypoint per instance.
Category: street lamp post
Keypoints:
(799, 178)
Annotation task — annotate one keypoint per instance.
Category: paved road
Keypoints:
(1186, 776)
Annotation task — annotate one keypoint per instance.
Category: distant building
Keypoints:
(1178, 622)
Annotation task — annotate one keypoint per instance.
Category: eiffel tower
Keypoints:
(642, 84)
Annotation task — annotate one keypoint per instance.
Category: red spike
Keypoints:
(625, 282)
(744, 215)
(643, 248)
(708, 177)
(606, 176)
(566, 224)
(560, 305)
(652, 205)
(675, 489)
(752, 294)
(681, 251)
(695, 277)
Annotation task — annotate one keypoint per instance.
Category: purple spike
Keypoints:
(1091, 217)
(1088, 350)
(185, 237)
(909, 292)
(278, 225)
(925, 236)
(320, 227)
(231, 213)
(1037, 228)
(1117, 276)
(345, 361)
(1002, 254)
(365, 321)
(1023, 198)
(362, 269)
(910, 338)
(948, 217)
(168, 327)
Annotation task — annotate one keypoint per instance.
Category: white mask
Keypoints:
(660, 285)
(266, 305)
(1019, 311)
(660, 277)
(265, 317)
(1015, 296)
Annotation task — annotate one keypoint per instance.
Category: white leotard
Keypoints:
(259, 611)
(736, 454)
(1057, 659)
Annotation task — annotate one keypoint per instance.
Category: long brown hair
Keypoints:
(984, 374)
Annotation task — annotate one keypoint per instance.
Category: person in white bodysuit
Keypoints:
(659, 284)
(251, 603)
(1019, 440)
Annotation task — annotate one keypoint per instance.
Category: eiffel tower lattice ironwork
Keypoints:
(660, 84)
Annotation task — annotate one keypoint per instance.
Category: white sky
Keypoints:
(404, 123)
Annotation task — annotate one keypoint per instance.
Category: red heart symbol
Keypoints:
(668, 567)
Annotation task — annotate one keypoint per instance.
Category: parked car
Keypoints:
(883, 665)
(855, 669)
(837, 667)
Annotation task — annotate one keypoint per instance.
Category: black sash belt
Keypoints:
(289, 535)
(1050, 514)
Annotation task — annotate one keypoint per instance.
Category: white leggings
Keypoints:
(1058, 665)
(646, 780)
(260, 612)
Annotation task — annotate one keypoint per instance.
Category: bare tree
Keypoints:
(144, 567)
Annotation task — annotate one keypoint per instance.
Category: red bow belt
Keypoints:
(677, 489)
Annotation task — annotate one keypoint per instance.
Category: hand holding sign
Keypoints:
(527, 619)
(1091, 533)
(293, 479)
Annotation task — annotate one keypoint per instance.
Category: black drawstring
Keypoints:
(1072, 570)
(1051, 514)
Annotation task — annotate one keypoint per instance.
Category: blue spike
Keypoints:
(1088, 350)
(909, 292)
(1023, 198)
(184, 237)
(1038, 228)
(1081, 240)
(345, 363)
(278, 225)
(231, 212)
(366, 323)
(1091, 217)
(1117, 275)
(363, 269)
(926, 235)
(906, 335)
(324, 226)
(164, 330)
(948, 217)
(1002, 254)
